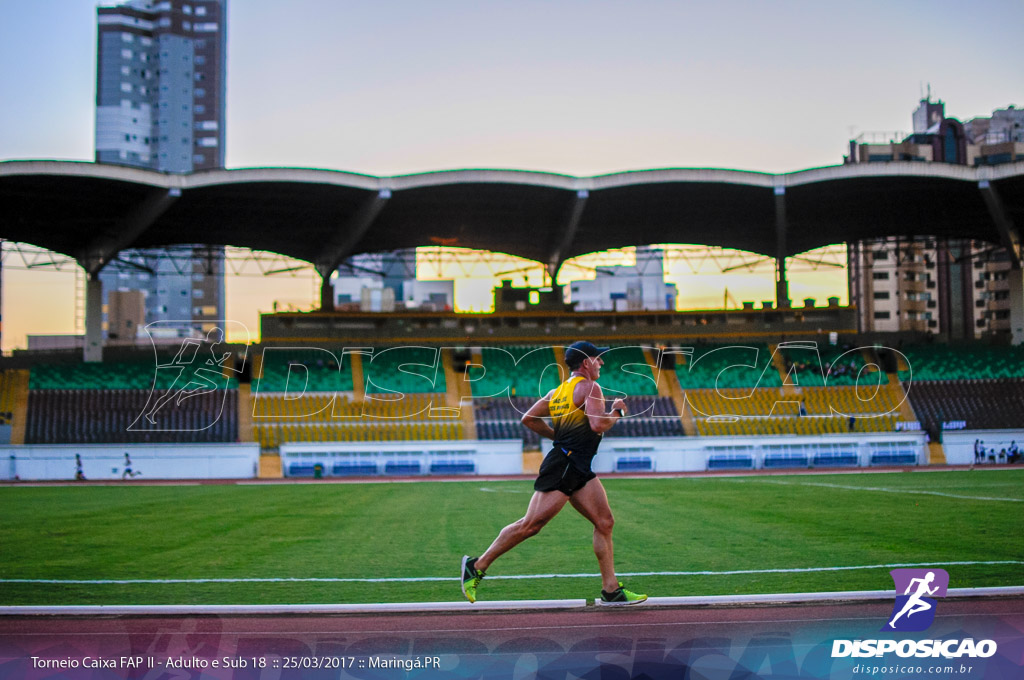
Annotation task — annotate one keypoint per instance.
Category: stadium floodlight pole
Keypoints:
(345, 241)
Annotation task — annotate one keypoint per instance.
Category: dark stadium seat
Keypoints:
(981, 404)
(98, 416)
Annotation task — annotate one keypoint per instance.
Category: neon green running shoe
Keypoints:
(620, 597)
(471, 577)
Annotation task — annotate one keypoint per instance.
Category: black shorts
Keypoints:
(557, 473)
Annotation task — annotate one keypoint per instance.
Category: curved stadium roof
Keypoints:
(88, 210)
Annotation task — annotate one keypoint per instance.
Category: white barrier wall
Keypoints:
(959, 444)
(154, 461)
(486, 457)
(693, 454)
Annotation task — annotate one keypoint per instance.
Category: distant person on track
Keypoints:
(578, 422)
(128, 472)
(79, 472)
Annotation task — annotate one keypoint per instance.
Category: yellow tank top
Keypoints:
(572, 428)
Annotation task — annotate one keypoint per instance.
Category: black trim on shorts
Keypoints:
(557, 473)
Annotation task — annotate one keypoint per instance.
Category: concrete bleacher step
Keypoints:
(270, 466)
(559, 354)
(458, 394)
(246, 433)
(679, 400)
(664, 389)
(788, 388)
(900, 395)
(19, 414)
(936, 454)
(358, 376)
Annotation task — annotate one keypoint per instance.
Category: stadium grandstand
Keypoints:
(725, 406)
(341, 393)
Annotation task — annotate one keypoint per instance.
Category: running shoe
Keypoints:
(471, 577)
(620, 597)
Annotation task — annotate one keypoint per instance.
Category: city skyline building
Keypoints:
(161, 84)
(957, 288)
(640, 287)
(161, 78)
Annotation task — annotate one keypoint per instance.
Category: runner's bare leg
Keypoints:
(592, 502)
(543, 507)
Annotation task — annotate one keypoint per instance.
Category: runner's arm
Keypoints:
(600, 422)
(533, 419)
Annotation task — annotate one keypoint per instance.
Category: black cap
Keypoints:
(578, 351)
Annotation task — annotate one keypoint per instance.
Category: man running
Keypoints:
(915, 603)
(128, 472)
(578, 421)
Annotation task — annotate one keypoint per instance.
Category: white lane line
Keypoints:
(498, 577)
(434, 631)
(790, 599)
(897, 491)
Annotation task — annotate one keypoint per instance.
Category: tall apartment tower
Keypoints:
(160, 104)
(959, 289)
(160, 84)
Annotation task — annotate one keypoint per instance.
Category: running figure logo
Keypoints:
(200, 366)
(914, 610)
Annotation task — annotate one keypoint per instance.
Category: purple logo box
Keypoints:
(914, 609)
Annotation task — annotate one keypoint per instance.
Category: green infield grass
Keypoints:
(810, 529)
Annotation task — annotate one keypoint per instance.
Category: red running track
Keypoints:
(629, 642)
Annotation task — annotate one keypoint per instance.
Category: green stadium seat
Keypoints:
(742, 365)
(409, 370)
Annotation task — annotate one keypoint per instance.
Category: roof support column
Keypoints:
(344, 242)
(1007, 230)
(1016, 280)
(1010, 237)
(781, 226)
(103, 248)
(93, 348)
(557, 256)
(326, 292)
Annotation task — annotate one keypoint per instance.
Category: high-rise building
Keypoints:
(160, 104)
(160, 84)
(996, 139)
(956, 288)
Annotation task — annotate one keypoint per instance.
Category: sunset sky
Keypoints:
(581, 88)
